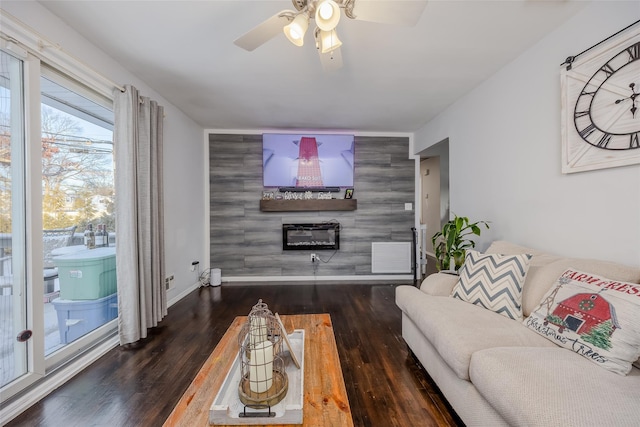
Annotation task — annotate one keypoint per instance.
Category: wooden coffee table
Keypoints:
(325, 395)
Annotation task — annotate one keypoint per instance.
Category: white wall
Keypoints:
(183, 150)
(505, 154)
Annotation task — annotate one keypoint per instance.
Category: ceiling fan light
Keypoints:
(330, 41)
(296, 29)
(327, 15)
(325, 10)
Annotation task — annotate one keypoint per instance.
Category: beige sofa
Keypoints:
(495, 371)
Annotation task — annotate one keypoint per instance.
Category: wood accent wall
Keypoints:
(248, 242)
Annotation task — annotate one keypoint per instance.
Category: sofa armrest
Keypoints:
(439, 284)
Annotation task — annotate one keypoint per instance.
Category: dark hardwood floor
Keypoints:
(140, 386)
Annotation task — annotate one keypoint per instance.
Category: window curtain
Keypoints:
(138, 134)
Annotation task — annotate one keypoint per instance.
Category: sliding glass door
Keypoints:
(58, 294)
(14, 334)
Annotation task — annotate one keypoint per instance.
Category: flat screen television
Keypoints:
(307, 160)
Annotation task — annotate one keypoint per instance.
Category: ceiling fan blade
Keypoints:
(400, 12)
(264, 32)
(331, 61)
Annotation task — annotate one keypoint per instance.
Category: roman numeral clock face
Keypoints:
(601, 108)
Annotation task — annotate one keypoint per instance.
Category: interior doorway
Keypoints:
(434, 199)
(430, 194)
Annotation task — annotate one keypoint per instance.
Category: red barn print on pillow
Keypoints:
(595, 317)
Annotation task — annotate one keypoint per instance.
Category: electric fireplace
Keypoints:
(324, 235)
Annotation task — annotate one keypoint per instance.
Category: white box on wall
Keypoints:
(391, 257)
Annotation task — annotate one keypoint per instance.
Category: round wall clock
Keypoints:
(606, 111)
(601, 106)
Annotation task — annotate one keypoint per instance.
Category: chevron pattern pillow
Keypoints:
(493, 281)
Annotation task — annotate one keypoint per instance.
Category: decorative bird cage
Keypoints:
(263, 380)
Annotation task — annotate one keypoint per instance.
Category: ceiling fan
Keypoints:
(326, 14)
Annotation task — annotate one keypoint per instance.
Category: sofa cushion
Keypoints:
(493, 281)
(595, 317)
(538, 257)
(545, 268)
(554, 387)
(458, 329)
(439, 284)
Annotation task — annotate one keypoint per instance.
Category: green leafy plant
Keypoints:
(451, 244)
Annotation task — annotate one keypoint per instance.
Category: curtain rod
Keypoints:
(570, 59)
(34, 42)
(88, 67)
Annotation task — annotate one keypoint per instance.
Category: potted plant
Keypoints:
(451, 244)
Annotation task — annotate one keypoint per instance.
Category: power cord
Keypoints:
(337, 228)
(329, 259)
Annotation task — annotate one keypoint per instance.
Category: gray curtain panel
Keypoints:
(138, 134)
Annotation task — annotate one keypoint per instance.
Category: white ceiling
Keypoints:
(394, 79)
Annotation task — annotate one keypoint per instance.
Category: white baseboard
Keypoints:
(229, 279)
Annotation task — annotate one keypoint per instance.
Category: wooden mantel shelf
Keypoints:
(308, 205)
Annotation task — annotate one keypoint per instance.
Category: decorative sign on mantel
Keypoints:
(296, 195)
(600, 104)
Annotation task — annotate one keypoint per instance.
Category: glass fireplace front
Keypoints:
(325, 235)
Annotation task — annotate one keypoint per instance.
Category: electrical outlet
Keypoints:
(168, 282)
(194, 264)
(314, 258)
